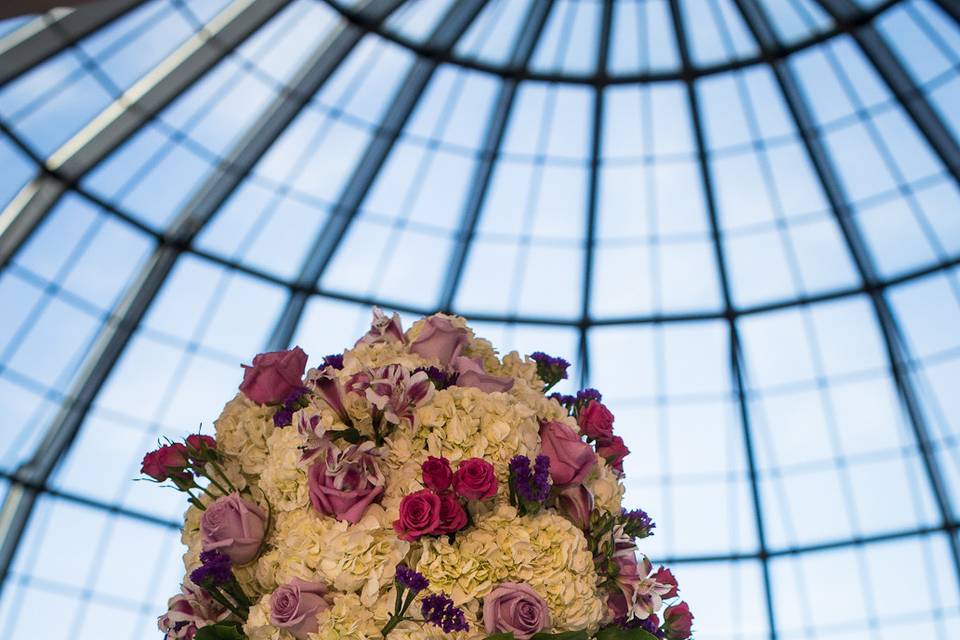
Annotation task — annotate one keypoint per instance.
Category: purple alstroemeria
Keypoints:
(383, 329)
(331, 389)
(393, 391)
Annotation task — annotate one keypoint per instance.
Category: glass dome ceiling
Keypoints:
(739, 218)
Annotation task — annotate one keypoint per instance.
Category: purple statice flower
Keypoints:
(214, 570)
(411, 579)
(550, 369)
(637, 523)
(284, 415)
(438, 609)
(563, 399)
(282, 418)
(541, 478)
(650, 624)
(441, 379)
(529, 487)
(334, 360)
(586, 395)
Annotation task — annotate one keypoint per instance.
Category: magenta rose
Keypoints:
(665, 576)
(513, 607)
(575, 503)
(167, 462)
(419, 515)
(274, 375)
(614, 451)
(475, 479)
(471, 374)
(294, 607)
(677, 621)
(596, 421)
(437, 474)
(343, 483)
(233, 526)
(439, 339)
(452, 516)
(571, 459)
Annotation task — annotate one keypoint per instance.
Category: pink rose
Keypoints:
(201, 448)
(343, 483)
(596, 421)
(419, 515)
(475, 479)
(437, 474)
(665, 576)
(513, 607)
(295, 606)
(614, 451)
(274, 375)
(167, 462)
(471, 374)
(677, 621)
(440, 340)
(452, 516)
(575, 503)
(571, 459)
(234, 526)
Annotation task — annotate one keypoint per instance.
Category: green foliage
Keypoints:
(616, 633)
(221, 631)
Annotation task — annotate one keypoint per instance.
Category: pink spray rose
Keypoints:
(471, 374)
(677, 621)
(665, 576)
(614, 451)
(475, 479)
(437, 474)
(167, 462)
(274, 375)
(513, 607)
(452, 516)
(343, 483)
(575, 503)
(294, 607)
(571, 459)
(439, 339)
(419, 515)
(596, 421)
(233, 526)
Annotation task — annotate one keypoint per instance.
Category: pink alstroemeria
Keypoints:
(331, 389)
(640, 595)
(188, 611)
(382, 329)
(393, 391)
(471, 374)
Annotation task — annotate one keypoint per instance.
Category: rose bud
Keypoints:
(571, 459)
(344, 483)
(471, 374)
(513, 607)
(274, 375)
(452, 516)
(437, 474)
(614, 451)
(201, 448)
(233, 526)
(665, 576)
(596, 421)
(677, 621)
(167, 462)
(294, 607)
(439, 340)
(475, 479)
(419, 515)
(575, 503)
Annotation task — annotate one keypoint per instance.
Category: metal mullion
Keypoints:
(127, 114)
(450, 27)
(526, 40)
(900, 83)
(951, 8)
(47, 35)
(736, 356)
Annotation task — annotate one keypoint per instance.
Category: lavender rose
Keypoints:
(274, 375)
(513, 607)
(295, 606)
(233, 526)
(344, 483)
(471, 374)
(439, 339)
(571, 459)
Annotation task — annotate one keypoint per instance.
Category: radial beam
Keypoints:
(951, 8)
(523, 48)
(738, 377)
(117, 332)
(898, 79)
(45, 36)
(453, 24)
(127, 114)
(836, 195)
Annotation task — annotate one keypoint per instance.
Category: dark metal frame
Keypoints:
(55, 178)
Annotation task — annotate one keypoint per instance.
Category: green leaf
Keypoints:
(616, 633)
(220, 631)
(500, 636)
(566, 635)
(351, 435)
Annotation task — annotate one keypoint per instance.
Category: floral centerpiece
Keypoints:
(415, 486)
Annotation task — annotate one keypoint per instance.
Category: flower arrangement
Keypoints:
(415, 486)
